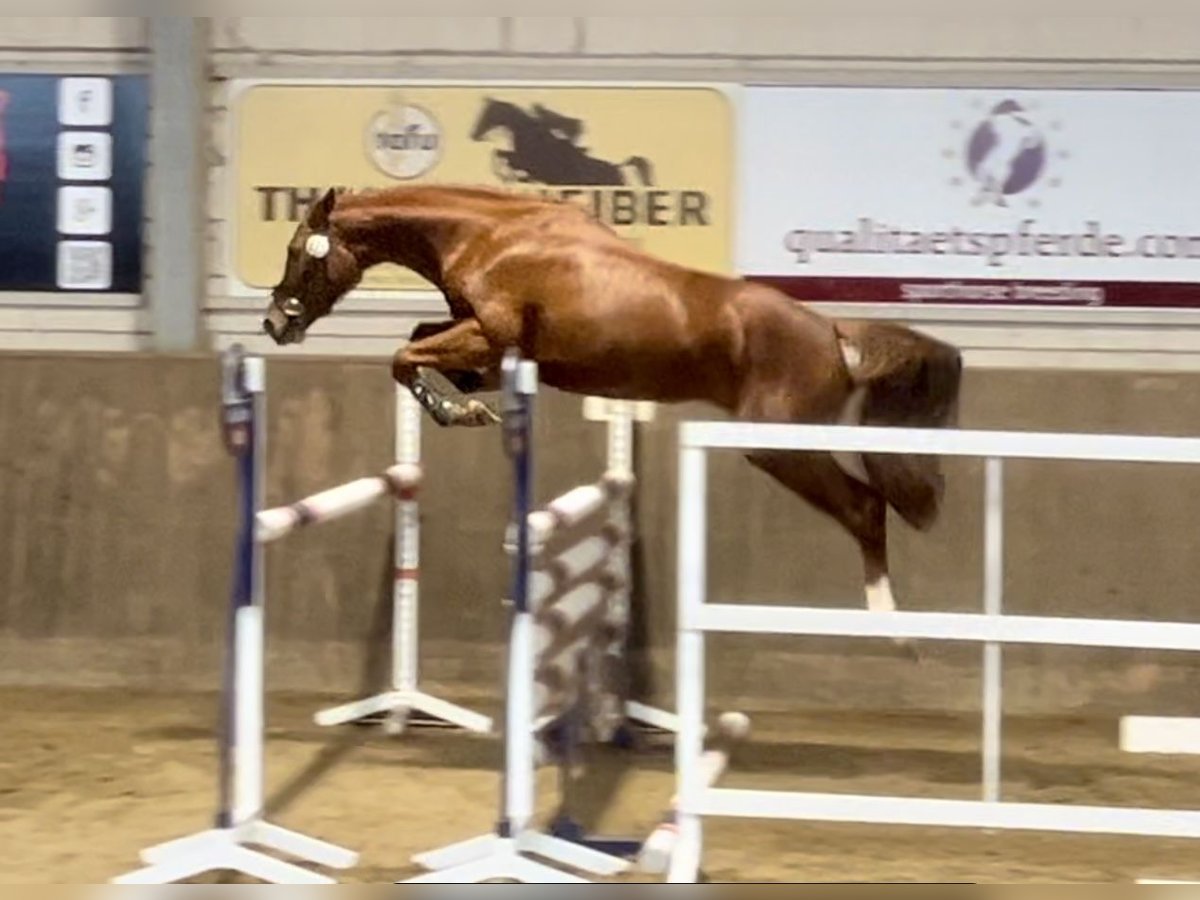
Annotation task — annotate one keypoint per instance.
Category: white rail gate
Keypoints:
(991, 628)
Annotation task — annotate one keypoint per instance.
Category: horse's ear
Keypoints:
(319, 218)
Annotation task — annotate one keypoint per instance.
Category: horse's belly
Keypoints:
(626, 379)
(639, 352)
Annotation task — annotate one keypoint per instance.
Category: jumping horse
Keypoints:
(602, 318)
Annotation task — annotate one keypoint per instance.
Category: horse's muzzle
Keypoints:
(282, 328)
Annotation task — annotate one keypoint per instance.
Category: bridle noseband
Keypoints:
(292, 307)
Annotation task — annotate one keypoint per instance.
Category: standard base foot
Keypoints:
(402, 709)
(504, 864)
(491, 858)
(225, 850)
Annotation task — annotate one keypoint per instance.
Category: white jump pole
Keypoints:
(240, 823)
(405, 704)
(505, 854)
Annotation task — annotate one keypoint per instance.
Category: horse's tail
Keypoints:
(911, 381)
(643, 167)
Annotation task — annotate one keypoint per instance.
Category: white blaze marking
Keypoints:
(851, 355)
(317, 246)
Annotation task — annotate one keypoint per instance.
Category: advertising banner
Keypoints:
(973, 197)
(72, 165)
(655, 163)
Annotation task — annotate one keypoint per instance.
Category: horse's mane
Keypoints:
(440, 195)
(496, 101)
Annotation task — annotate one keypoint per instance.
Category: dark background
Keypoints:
(28, 211)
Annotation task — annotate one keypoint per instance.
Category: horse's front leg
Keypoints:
(459, 351)
(465, 381)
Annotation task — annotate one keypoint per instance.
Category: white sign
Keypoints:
(84, 156)
(85, 265)
(85, 210)
(86, 102)
(998, 196)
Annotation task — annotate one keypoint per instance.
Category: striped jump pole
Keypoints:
(622, 418)
(580, 588)
(578, 581)
(239, 824)
(399, 481)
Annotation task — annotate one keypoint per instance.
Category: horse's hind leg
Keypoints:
(857, 507)
(459, 351)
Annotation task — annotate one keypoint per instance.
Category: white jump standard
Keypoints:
(240, 823)
(505, 854)
(404, 704)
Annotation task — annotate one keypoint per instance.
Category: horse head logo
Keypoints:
(546, 149)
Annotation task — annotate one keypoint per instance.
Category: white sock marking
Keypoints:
(879, 596)
(851, 355)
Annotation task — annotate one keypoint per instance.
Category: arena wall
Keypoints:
(34, 40)
(120, 513)
(929, 32)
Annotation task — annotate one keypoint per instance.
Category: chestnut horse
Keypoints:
(602, 318)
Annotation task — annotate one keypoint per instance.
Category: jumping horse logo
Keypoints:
(546, 149)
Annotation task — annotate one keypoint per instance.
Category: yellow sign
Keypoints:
(656, 163)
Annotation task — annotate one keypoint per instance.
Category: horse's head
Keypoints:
(319, 271)
(495, 113)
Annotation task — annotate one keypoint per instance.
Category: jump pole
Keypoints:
(405, 704)
(505, 854)
(659, 848)
(622, 418)
(239, 821)
(1160, 735)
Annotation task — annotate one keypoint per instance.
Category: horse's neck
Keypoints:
(417, 238)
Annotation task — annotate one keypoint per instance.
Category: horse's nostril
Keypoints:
(269, 327)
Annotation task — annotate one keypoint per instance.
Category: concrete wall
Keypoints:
(117, 526)
(33, 40)
(929, 32)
